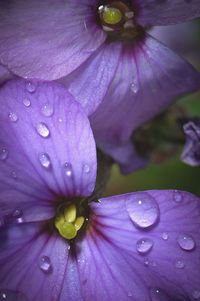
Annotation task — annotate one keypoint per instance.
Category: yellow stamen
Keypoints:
(70, 213)
(79, 222)
(111, 15)
(68, 231)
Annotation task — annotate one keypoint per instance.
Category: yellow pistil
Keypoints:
(111, 15)
(67, 223)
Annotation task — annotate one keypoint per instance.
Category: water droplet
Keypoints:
(27, 102)
(8, 295)
(14, 175)
(158, 295)
(177, 196)
(165, 236)
(180, 264)
(196, 295)
(45, 264)
(144, 245)
(68, 169)
(186, 242)
(60, 120)
(13, 117)
(86, 168)
(3, 154)
(43, 130)
(91, 187)
(47, 110)
(30, 87)
(17, 213)
(45, 160)
(146, 262)
(143, 210)
(134, 87)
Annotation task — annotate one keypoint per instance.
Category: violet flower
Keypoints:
(138, 246)
(99, 50)
(191, 151)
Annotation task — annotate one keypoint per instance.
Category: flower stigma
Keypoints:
(67, 223)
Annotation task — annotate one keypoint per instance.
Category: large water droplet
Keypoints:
(47, 110)
(180, 264)
(30, 87)
(186, 242)
(143, 210)
(196, 295)
(3, 154)
(144, 245)
(45, 160)
(68, 169)
(43, 130)
(13, 117)
(26, 102)
(45, 264)
(158, 295)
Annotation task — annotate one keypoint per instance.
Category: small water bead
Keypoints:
(144, 245)
(158, 295)
(146, 262)
(143, 210)
(45, 160)
(8, 295)
(3, 154)
(134, 87)
(60, 120)
(180, 264)
(165, 236)
(43, 130)
(86, 168)
(13, 117)
(177, 196)
(186, 242)
(68, 169)
(14, 175)
(27, 102)
(45, 264)
(196, 295)
(30, 87)
(47, 110)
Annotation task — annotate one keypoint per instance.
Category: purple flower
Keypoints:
(138, 246)
(191, 151)
(99, 50)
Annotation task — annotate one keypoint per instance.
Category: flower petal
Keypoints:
(33, 263)
(47, 39)
(43, 154)
(153, 12)
(148, 79)
(191, 151)
(4, 75)
(134, 262)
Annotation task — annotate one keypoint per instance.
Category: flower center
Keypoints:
(68, 223)
(117, 17)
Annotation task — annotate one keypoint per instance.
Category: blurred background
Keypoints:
(184, 39)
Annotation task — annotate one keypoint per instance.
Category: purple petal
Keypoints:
(33, 263)
(4, 75)
(142, 246)
(148, 79)
(47, 39)
(153, 12)
(191, 151)
(43, 149)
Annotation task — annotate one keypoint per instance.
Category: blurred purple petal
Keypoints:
(47, 39)
(148, 79)
(166, 12)
(4, 75)
(191, 151)
(158, 262)
(43, 149)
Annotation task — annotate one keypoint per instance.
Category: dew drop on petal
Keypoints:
(134, 87)
(14, 175)
(17, 213)
(45, 160)
(165, 236)
(8, 295)
(13, 117)
(86, 168)
(43, 130)
(27, 102)
(158, 295)
(186, 242)
(143, 210)
(177, 196)
(47, 110)
(68, 169)
(146, 262)
(196, 295)
(30, 87)
(180, 264)
(144, 245)
(3, 154)
(60, 120)
(45, 264)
